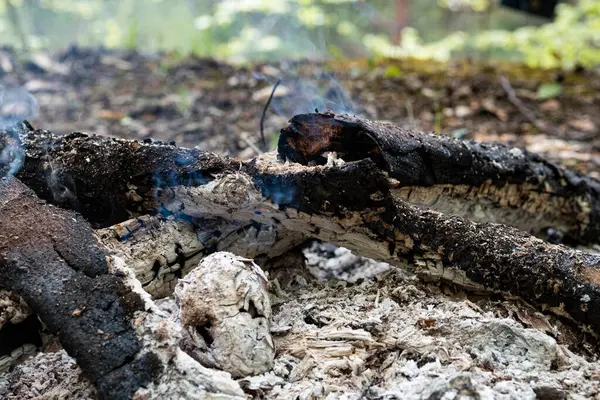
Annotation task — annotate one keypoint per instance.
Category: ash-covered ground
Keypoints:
(352, 328)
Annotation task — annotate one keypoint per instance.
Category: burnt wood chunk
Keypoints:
(51, 258)
(486, 182)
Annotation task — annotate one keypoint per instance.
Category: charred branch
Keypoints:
(53, 260)
(105, 179)
(482, 182)
(352, 206)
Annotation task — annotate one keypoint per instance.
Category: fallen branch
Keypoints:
(530, 116)
(482, 182)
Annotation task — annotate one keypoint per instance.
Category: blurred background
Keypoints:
(242, 30)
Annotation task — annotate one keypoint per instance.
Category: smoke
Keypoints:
(307, 88)
(16, 105)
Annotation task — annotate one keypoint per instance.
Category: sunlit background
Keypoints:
(246, 30)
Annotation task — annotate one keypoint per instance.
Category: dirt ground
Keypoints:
(369, 331)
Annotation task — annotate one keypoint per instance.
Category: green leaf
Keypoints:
(393, 72)
(549, 90)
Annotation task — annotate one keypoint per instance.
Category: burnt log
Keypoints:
(485, 182)
(53, 260)
(352, 206)
(104, 179)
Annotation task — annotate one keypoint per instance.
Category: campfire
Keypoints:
(96, 232)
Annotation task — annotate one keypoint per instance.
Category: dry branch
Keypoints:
(482, 182)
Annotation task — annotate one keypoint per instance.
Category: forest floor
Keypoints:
(401, 338)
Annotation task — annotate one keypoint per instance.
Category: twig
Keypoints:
(264, 113)
(540, 125)
(528, 114)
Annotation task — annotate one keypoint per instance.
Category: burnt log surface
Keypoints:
(107, 179)
(459, 177)
(51, 258)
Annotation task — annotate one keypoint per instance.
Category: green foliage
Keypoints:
(549, 90)
(572, 39)
(393, 71)
(263, 29)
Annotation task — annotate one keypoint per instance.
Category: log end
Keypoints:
(309, 136)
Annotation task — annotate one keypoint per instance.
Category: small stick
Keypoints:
(530, 116)
(264, 113)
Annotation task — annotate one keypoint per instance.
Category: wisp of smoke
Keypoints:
(16, 105)
(320, 90)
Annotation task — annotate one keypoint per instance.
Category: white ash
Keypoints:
(224, 309)
(183, 377)
(17, 355)
(325, 261)
(388, 337)
(395, 337)
(333, 160)
(52, 376)
(14, 310)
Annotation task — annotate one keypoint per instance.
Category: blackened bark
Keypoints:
(106, 179)
(485, 182)
(51, 258)
(358, 209)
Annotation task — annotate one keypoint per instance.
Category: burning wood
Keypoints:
(371, 202)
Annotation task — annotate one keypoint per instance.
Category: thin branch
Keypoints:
(528, 114)
(264, 113)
